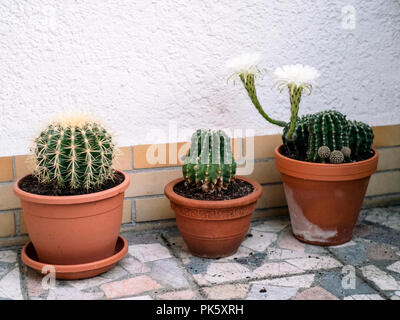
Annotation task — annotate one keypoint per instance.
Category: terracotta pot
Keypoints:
(68, 230)
(213, 229)
(324, 200)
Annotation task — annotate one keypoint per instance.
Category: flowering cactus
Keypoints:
(321, 137)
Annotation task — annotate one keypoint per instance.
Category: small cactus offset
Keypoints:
(209, 164)
(74, 153)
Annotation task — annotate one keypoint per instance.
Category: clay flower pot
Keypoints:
(69, 230)
(213, 229)
(324, 200)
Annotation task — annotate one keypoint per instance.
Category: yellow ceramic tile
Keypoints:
(150, 182)
(123, 160)
(7, 198)
(22, 225)
(384, 182)
(158, 155)
(127, 212)
(389, 158)
(151, 209)
(387, 135)
(7, 226)
(24, 165)
(6, 169)
(263, 172)
(263, 146)
(273, 196)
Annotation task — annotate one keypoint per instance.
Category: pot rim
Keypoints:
(215, 204)
(325, 171)
(83, 198)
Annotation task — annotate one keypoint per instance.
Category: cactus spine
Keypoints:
(209, 164)
(360, 139)
(74, 154)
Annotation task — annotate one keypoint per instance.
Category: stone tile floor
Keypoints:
(270, 264)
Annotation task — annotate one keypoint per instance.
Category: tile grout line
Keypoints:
(23, 280)
(14, 169)
(189, 275)
(16, 223)
(360, 274)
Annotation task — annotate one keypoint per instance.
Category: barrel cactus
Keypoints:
(74, 153)
(209, 164)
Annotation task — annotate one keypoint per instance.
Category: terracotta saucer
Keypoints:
(76, 271)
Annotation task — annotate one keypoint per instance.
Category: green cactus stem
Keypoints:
(249, 85)
(295, 97)
(327, 128)
(209, 163)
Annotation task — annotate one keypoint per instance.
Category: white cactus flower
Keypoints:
(245, 64)
(301, 76)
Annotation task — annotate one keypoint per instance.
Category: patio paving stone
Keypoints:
(270, 264)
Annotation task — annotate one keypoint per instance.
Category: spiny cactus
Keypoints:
(74, 153)
(209, 163)
(336, 156)
(328, 137)
(361, 137)
(296, 146)
(327, 128)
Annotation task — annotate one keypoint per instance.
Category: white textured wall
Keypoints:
(141, 64)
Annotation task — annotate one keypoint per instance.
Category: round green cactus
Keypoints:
(209, 164)
(74, 153)
(315, 135)
(361, 138)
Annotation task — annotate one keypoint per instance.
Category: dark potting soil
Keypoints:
(32, 185)
(360, 157)
(236, 189)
